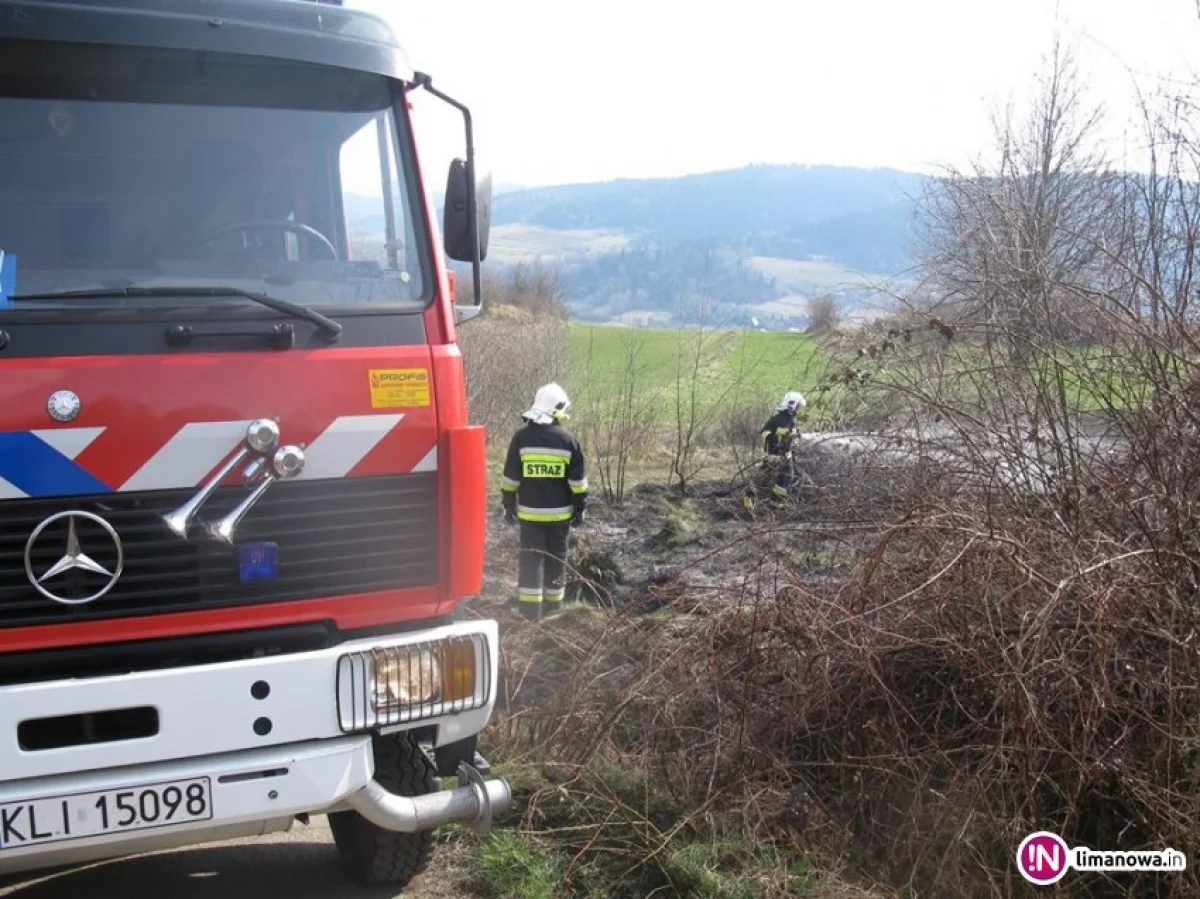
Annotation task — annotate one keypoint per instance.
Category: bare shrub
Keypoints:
(507, 354)
(740, 427)
(946, 703)
(824, 314)
(536, 286)
(1012, 242)
(518, 344)
(619, 412)
(705, 383)
(697, 347)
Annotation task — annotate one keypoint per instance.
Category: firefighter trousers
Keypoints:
(785, 477)
(542, 564)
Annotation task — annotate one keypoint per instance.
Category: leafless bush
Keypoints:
(1017, 653)
(508, 353)
(703, 388)
(965, 692)
(536, 286)
(824, 314)
(697, 346)
(518, 344)
(1012, 243)
(740, 427)
(619, 413)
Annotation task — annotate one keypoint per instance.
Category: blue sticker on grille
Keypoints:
(8, 277)
(257, 562)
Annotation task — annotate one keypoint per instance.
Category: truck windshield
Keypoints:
(136, 167)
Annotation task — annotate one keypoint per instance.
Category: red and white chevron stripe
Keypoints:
(198, 448)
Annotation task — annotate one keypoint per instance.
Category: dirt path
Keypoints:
(300, 864)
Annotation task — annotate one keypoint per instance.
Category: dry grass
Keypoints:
(974, 679)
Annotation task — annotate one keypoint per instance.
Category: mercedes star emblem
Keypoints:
(63, 405)
(75, 559)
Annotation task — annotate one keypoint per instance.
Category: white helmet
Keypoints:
(550, 404)
(792, 402)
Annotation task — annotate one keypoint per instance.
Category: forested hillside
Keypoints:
(754, 243)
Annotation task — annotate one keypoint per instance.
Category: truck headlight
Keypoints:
(406, 678)
(395, 684)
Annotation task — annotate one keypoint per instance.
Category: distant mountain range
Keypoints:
(364, 212)
(757, 243)
(814, 209)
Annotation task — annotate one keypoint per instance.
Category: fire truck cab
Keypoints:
(240, 499)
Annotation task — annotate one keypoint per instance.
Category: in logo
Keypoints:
(1043, 858)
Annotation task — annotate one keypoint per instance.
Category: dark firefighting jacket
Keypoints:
(777, 433)
(544, 474)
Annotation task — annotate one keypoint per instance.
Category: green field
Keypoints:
(739, 376)
(733, 366)
(752, 369)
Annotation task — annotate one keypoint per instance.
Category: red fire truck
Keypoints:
(240, 500)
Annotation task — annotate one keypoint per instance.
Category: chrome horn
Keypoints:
(287, 462)
(261, 437)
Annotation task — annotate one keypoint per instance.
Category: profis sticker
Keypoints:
(399, 388)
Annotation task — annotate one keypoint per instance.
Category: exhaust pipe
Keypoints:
(474, 801)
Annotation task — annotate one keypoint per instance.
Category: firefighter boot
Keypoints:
(554, 602)
(530, 606)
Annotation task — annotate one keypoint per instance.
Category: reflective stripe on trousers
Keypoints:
(542, 562)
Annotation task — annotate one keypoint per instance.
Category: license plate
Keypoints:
(80, 815)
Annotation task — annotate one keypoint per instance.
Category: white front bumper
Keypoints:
(209, 710)
(312, 777)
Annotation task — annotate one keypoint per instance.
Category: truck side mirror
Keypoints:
(456, 225)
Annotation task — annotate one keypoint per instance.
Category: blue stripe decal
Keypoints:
(37, 469)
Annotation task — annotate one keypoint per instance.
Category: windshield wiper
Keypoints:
(327, 326)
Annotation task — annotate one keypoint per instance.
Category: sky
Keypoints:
(592, 91)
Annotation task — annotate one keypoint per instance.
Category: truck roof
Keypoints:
(298, 30)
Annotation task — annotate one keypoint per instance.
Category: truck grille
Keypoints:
(335, 537)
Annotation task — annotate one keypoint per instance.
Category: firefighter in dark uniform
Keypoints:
(778, 434)
(544, 488)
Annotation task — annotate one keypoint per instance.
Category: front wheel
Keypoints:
(375, 855)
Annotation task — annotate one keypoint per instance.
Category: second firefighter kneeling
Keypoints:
(545, 489)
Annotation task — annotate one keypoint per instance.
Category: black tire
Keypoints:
(375, 855)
